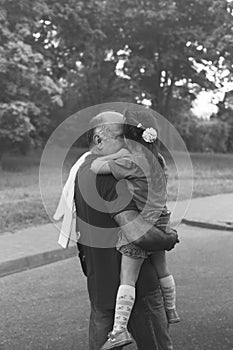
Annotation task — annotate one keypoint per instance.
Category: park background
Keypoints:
(59, 57)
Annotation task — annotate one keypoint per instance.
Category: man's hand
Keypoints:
(143, 234)
(174, 237)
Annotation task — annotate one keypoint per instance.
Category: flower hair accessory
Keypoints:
(149, 135)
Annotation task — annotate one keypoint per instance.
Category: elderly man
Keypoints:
(102, 206)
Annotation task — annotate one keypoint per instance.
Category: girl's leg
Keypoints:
(167, 285)
(130, 268)
(159, 261)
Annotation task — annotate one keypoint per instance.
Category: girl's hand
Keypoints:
(99, 166)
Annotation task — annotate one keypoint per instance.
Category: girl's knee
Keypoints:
(128, 277)
(130, 269)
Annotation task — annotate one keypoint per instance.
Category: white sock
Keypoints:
(168, 288)
(124, 305)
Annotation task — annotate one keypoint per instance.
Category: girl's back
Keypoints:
(147, 182)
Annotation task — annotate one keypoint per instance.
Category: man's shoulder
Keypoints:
(88, 160)
(105, 184)
(84, 172)
(84, 168)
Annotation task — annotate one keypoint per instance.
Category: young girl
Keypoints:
(145, 168)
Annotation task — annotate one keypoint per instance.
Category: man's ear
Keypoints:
(97, 140)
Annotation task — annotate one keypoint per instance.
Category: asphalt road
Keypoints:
(47, 308)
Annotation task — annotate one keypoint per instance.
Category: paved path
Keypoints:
(212, 211)
(31, 247)
(36, 246)
(47, 307)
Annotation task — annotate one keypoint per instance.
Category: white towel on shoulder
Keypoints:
(66, 207)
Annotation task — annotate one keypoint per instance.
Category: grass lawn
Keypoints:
(20, 200)
(212, 174)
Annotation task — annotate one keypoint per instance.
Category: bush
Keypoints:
(211, 136)
(204, 135)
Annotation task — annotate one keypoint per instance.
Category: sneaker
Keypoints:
(172, 316)
(118, 339)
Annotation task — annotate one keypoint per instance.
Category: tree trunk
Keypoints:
(1, 159)
(168, 98)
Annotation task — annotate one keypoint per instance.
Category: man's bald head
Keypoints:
(102, 124)
(107, 117)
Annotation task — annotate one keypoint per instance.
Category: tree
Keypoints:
(173, 45)
(76, 37)
(183, 119)
(225, 115)
(98, 51)
(168, 49)
(27, 89)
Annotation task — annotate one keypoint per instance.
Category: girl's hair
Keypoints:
(133, 130)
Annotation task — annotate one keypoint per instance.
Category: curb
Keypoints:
(30, 262)
(213, 226)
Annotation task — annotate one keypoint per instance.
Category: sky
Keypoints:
(204, 106)
(205, 103)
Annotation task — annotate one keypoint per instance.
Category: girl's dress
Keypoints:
(149, 193)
